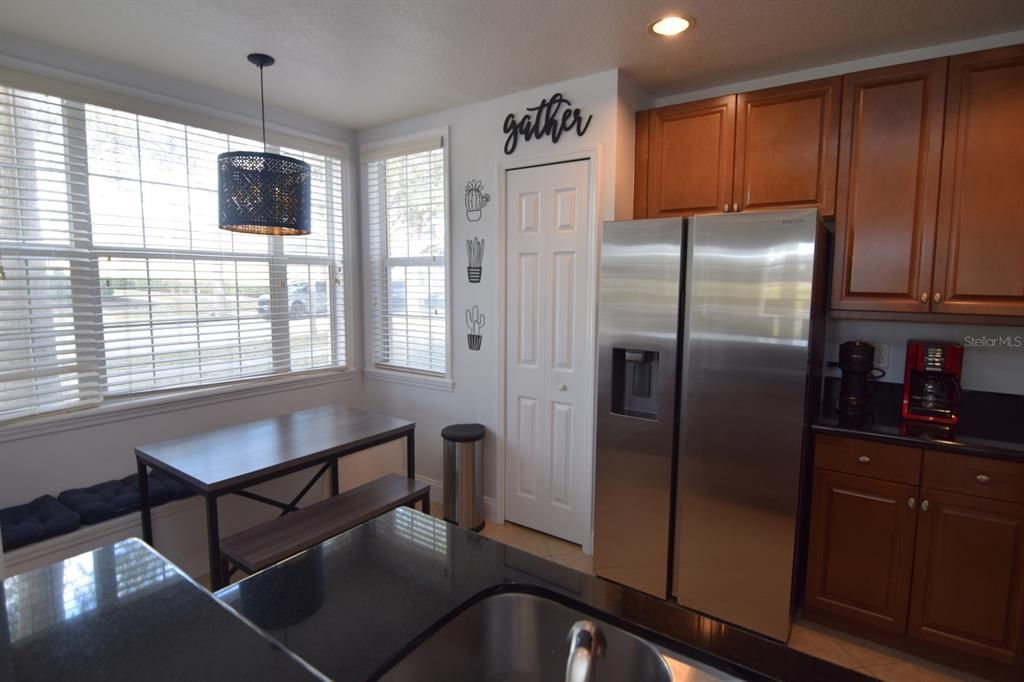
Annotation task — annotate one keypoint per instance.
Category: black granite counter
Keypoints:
(125, 613)
(991, 424)
(356, 604)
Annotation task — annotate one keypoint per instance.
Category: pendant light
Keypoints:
(260, 192)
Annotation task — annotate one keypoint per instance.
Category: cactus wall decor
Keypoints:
(475, 256)
(475, 200)
(474, 322)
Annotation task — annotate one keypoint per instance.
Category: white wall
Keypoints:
(999, 369)
(476, 151)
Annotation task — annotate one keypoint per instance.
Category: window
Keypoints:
(115, 279)
(407, 237)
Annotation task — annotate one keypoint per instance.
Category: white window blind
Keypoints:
(115, 278)
(408, 250)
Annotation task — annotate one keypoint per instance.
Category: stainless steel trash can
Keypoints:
(464, 475)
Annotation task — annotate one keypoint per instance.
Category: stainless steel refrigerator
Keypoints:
(709, 346)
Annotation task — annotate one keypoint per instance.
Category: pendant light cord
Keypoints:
(263, 112)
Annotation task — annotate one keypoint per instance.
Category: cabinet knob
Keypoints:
(735, 207)
(937, 297)
(924, 505)
(911, 503)
(725, 209)
(562, 387)
(924, 297)
(864, 459)
(982, 478)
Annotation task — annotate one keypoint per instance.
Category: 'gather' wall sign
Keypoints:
(552, 117)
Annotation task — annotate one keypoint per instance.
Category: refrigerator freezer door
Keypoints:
(745, 350)
(638, 323)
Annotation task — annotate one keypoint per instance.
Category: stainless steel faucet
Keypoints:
(586, 645)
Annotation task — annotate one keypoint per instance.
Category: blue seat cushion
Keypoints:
(110, 499)
(175, 489)
(43, 517)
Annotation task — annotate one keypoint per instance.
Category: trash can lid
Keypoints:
(463, 433)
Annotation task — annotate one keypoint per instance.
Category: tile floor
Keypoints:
(840, 648)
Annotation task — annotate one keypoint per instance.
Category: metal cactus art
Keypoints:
(475, 256)
(474, 322)
(475, 200)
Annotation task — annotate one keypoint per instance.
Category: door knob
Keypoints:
(924, 297)
(924, 505)
(937, 297)
(911, 502)
(562, 387)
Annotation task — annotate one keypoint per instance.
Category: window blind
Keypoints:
(115, 279)
(407, 238)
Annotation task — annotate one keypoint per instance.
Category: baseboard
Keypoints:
(90, 537)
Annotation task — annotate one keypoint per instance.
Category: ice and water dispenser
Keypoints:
(635, 382)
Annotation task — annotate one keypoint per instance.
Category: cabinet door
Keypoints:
(861, 548)
(890, 155)
(786, 141)
(689, 162)
(978, 263)
(969, 574)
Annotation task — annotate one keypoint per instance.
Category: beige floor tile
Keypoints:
(820, 645)
(905, 671)
(576, 560)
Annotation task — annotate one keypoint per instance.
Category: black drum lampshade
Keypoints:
(263, 193)
(260, 192)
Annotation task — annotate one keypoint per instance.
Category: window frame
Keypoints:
(390, 373)
(100, 409)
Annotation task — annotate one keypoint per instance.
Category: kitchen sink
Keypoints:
(518, 637)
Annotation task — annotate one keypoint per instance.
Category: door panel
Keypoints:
(969, 575)
(978, 264)
(548, 470)
(889, 165)
(861, 548)
(786, 142)
(690, 158)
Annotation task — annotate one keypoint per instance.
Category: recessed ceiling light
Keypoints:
(670, 26)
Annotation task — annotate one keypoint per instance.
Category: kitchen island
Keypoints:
(348, 609)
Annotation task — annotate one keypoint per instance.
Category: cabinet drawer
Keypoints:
(979, 476)
(868, 458)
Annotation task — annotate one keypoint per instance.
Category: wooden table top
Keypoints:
(233, 455)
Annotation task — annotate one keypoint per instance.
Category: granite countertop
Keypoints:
(990, 423)
(124, 612)
(356, 604)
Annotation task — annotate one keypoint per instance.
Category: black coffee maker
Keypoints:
(856, 360)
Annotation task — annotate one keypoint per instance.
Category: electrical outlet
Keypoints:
(881, 355)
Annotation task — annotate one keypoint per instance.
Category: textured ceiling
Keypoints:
(359, 63)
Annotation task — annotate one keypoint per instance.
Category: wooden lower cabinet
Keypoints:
(861, 548)
(922, 550)
(968, 586)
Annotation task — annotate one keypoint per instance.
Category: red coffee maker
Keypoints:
(931, 382)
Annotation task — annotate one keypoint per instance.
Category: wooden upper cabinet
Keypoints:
(969, 575)
(861, 548)
(689, 158)
(979, 258)
(890, 157)
(786, 142)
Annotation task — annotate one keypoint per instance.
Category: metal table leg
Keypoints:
(217, 578)
(334, 476)
(147, 517)
(410, 454)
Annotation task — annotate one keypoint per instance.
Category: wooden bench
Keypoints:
(265, 545)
